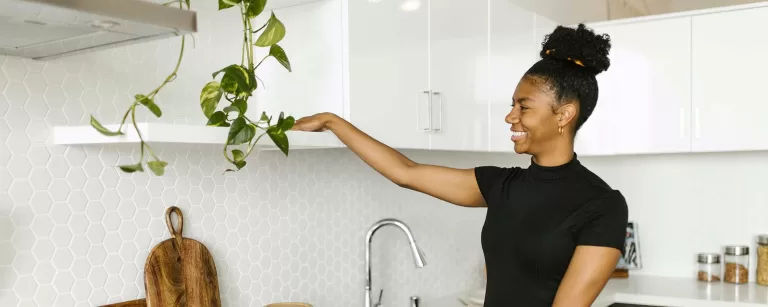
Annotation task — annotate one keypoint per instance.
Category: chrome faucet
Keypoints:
(418, 256)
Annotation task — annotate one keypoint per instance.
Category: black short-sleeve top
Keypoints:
(536, 218)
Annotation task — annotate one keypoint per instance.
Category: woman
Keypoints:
(553, 232)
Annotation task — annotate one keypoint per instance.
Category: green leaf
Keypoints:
(273, 34)
(225, 4)
(149, 103)
(279, 54)
(238, 155)
(280, 120)
(254, 84)
(242, 105)
(187, 2)
(132, 168)
(264, 117)
(210, 97)
(239, 106)
(236, 80)
(231, 108)
(255, 7)
(103, 130)
(278, 136)
(240, 132)
(157, 167)
(287, 123)
(239, 164)
(218, 119)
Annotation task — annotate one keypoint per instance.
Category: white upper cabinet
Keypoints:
(729, 64)
(440, 74)
(313, 45)
(459, 74)
(514, 48)
(388, 80)
(644, 102)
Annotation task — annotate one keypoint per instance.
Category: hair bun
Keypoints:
(581, 46)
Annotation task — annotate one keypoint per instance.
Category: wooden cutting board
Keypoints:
(136, 303)
(180, 271)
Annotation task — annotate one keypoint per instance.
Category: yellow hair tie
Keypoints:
(578, 62)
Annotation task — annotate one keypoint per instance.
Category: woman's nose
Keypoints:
(513, 117)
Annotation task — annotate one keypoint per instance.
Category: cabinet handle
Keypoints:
(682, 123)
(697, 123)
(440, 111)
(429, 111)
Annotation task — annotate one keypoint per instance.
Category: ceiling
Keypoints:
(575, 11)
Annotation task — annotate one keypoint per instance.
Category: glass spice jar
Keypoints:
(762, 260)
(710, 269)
(737, 264)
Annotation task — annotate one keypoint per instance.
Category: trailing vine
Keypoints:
(237, 84)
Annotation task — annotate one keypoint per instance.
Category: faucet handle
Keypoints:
(378, 304)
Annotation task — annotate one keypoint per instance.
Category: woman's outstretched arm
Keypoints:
(456, 186)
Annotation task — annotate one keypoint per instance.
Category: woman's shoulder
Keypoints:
(609, 201)
(498, 172)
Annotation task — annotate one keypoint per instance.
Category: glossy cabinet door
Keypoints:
(459, 74)
(514, 48)
(313, 46)
(729, 81)
(388, 80)
(644, 102)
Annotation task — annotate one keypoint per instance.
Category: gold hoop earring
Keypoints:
(560, 129)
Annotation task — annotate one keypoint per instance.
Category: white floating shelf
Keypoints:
(183, 134)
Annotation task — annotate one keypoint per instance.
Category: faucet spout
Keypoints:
(418, 255)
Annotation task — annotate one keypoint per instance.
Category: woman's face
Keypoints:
(534, 118)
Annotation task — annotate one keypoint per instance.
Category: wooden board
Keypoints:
(136, 303)
(180, 271)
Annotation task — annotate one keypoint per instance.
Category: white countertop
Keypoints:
(665, 291)
(681, 292)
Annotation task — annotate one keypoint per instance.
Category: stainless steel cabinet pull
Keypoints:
(440, 111)
(429, 111)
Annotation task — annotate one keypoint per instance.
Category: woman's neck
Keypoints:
(559, 154)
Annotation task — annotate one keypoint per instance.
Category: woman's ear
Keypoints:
(566, 114)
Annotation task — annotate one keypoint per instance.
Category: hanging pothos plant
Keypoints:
(238, 81)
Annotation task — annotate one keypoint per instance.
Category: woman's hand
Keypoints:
(315, 123)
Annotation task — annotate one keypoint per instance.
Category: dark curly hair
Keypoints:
(570, 60)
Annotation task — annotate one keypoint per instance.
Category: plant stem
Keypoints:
(172, 76)
(245, 36)
(262, 27)
(250, 43)
(125, 117)
(253, 145)
(262, 61)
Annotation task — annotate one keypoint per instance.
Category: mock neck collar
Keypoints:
(554, 172)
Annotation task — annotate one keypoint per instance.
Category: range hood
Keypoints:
(47, 29)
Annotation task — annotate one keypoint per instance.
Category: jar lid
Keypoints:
(737, 250)
(762, 239)
(709, 258)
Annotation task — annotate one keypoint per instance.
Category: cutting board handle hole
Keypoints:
(179, 221)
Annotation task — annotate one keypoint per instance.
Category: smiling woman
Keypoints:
(554, 231)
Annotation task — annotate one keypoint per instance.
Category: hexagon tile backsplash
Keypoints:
(75, 231)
